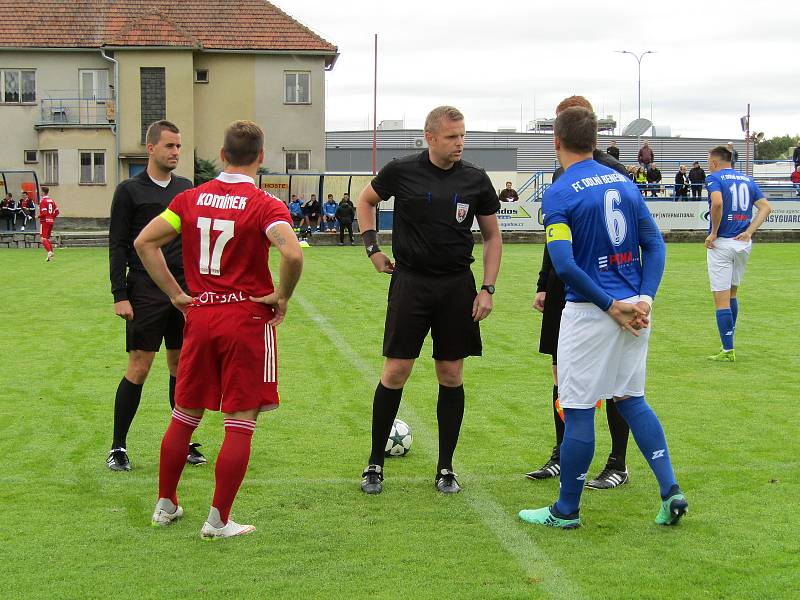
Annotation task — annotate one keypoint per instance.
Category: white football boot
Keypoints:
(231, 529)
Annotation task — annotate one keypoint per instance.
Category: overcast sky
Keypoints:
(502, 60)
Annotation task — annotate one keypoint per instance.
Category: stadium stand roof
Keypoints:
(243, 25)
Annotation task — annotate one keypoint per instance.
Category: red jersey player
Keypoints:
(48, 211)
(229, 356)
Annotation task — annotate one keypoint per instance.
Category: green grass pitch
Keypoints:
(72, 529)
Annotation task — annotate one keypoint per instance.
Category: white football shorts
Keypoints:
(596, 358)
(726, 263)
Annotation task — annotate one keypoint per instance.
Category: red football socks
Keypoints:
(173, 453)
(232, 464)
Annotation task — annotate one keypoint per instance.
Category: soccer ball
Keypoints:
(399, 442)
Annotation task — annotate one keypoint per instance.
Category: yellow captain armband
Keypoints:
(559, 231)
(173, 219)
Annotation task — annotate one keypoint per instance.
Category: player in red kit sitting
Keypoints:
(48, 211)
(229, 358)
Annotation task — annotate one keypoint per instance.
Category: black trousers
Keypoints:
(697, 190)
(342, 227)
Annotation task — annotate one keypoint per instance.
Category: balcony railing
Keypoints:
(69, 108)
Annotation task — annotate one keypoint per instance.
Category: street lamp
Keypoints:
(639, 61)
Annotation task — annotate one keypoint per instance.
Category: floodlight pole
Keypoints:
(375, 111)
(639, 62)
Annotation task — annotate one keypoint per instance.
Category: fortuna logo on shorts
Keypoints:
(658, 454)
(621, 259)
(219, 298)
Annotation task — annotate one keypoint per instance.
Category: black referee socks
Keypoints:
(126, 404)
(449, 413)
(384, 411)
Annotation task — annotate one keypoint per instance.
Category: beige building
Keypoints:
(79, 85)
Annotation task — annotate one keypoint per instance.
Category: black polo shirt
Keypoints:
(137, 201)
(433, 211)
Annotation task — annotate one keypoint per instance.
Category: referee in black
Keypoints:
(550, 300)
(148, 313)
(437, 195)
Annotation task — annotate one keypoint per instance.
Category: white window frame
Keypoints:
(18, 73)
(197, 78)
(287, 76)
(94, 179)
(296, 154)
(27, 160)
(49, 167)
(99, 93)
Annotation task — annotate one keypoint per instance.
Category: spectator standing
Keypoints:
(27, 210)
(345, 213)
(682, 184)
(329, 214)
(796, 179)
(48, 211)
(509, 194)
(697, 177)
(734, 153)
(796, 157)
(654, 180)
(646, 156)
(8, 210)
(613, 150)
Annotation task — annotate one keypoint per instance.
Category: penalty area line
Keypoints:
(533, 561)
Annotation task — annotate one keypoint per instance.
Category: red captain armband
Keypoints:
(370, 239)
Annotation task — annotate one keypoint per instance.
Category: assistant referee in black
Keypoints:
(436, 198)
(149, 315)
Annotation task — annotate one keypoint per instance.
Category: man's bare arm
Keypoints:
(156, 234)
(763, 212)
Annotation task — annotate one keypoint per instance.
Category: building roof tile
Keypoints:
(246, 25)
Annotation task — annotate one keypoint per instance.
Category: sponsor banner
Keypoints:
(785, 215)
(668, 215)
(520, 216)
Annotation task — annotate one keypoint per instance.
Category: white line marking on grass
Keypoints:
(534, 562)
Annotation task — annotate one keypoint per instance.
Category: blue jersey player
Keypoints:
(731, 197)
(607, 249)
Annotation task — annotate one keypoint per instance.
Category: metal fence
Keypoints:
(68, 107)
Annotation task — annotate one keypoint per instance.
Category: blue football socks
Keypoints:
(725, 326)
(649, 436)
(734, 310)
(577, 451)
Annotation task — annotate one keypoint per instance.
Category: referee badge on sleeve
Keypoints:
(461, 211)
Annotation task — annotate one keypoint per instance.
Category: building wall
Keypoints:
(290, 126)
(179, 72)
(229, 95)
(73, 198)
(535, 150)
(56, 77)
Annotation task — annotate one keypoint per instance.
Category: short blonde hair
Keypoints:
(440, 113)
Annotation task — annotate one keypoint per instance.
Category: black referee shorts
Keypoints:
(554, 302)
(154, 317)
(439, 304)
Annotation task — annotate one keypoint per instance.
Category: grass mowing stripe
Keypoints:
(531, 559)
